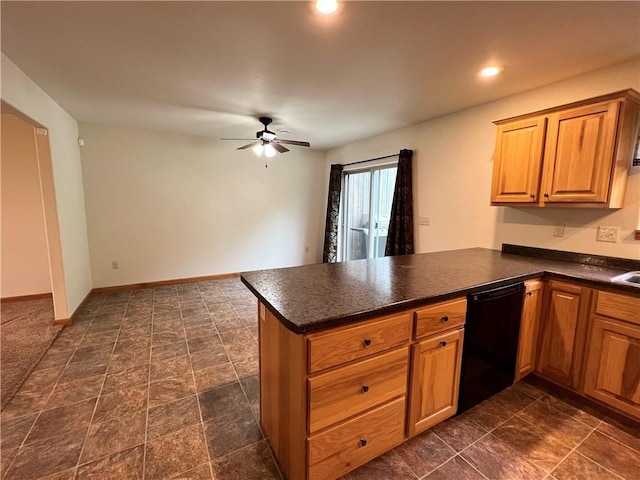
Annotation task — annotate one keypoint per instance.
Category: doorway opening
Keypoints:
(366, 211)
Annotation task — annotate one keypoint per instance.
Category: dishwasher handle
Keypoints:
(496, 293)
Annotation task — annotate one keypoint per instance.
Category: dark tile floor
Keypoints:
(162, 384)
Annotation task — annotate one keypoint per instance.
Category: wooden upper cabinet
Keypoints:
(579, 154)
(575, 155)
(518, 158)
(564, 326)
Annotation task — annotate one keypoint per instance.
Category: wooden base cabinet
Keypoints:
(435, 380)
(529, 325)
(612, 371)
(333, 400)
(564, 325)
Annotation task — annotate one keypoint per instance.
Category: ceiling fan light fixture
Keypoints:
(491, 71)
(269, 151)
(326, 7)
(258, 149)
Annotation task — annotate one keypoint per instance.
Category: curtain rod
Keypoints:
(370, 160)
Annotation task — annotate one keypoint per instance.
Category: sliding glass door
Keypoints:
(366, 208)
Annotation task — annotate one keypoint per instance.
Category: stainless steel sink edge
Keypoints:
(628, 278)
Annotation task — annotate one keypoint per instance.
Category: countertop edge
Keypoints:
(424, 301)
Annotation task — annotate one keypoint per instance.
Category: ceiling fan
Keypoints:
(268, 142)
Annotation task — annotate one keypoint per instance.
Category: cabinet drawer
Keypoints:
(355, 442)
(622, 307)
(439, 317)
(347, 391)
(345, 344)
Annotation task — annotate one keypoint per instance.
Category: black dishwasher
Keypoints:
(490, 343)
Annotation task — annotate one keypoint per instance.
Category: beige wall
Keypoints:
(452, 176)
(22, 93)
(25, 263)
(169, 206)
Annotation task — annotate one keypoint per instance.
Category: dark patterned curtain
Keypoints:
(400, 236)
(330, 252)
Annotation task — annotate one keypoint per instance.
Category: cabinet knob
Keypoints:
(546, 195)
(444, 319)
(363, 442)
(367, 342)
(443, 344)
(529, 294)
(365, 388)
(532, 195)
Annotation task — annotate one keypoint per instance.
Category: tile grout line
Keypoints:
(146, 421)
(593, 429)
(193, 378)
(104, 380)
(235, 370)
(43, 409)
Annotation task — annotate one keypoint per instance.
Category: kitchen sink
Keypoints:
(630, 278)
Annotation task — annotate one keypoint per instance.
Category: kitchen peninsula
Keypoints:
(357, 357)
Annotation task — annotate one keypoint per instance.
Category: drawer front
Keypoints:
(346, 344)
(351, 444)
(350, 390)
(440, 317)
(622, 307)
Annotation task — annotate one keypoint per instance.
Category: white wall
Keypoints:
(452, 176)
(25, 262)
(22, 93)
(169, 206)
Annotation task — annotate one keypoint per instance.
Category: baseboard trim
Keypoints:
(161, 283)
(35, 296)
(67, 322)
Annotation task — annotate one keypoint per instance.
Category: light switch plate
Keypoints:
(608, 234)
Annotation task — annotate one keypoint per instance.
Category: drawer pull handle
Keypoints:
(367, 342)
(363, 443)
(444, 319)
(365, 388)
(443, 344)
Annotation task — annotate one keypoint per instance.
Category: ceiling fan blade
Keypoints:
(294, 142)
(245, 139)
(279, 147)
(248, 145)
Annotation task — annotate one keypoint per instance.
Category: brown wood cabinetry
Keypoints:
(435, 380)
(333, 400)
(563, 331)
(529, 324)
(576, 155)
(612, 367)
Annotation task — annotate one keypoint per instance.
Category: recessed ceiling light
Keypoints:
(490, 71)
(327, 6)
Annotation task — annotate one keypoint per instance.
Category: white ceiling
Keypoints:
(210, 68)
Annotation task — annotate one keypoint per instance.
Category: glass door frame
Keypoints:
(343, 243)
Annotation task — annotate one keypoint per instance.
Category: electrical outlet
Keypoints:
(424, 221)
(558, 230)
(608, 234)
(115, 265)
(306, 249)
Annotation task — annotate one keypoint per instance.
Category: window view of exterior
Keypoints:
(366, 209)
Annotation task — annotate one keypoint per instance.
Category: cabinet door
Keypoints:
(579, 152)
(435, 380)
(528, 343)
(563, 333)
(517, 161)
(612, 368)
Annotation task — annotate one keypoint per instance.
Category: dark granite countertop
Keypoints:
(314, 297)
